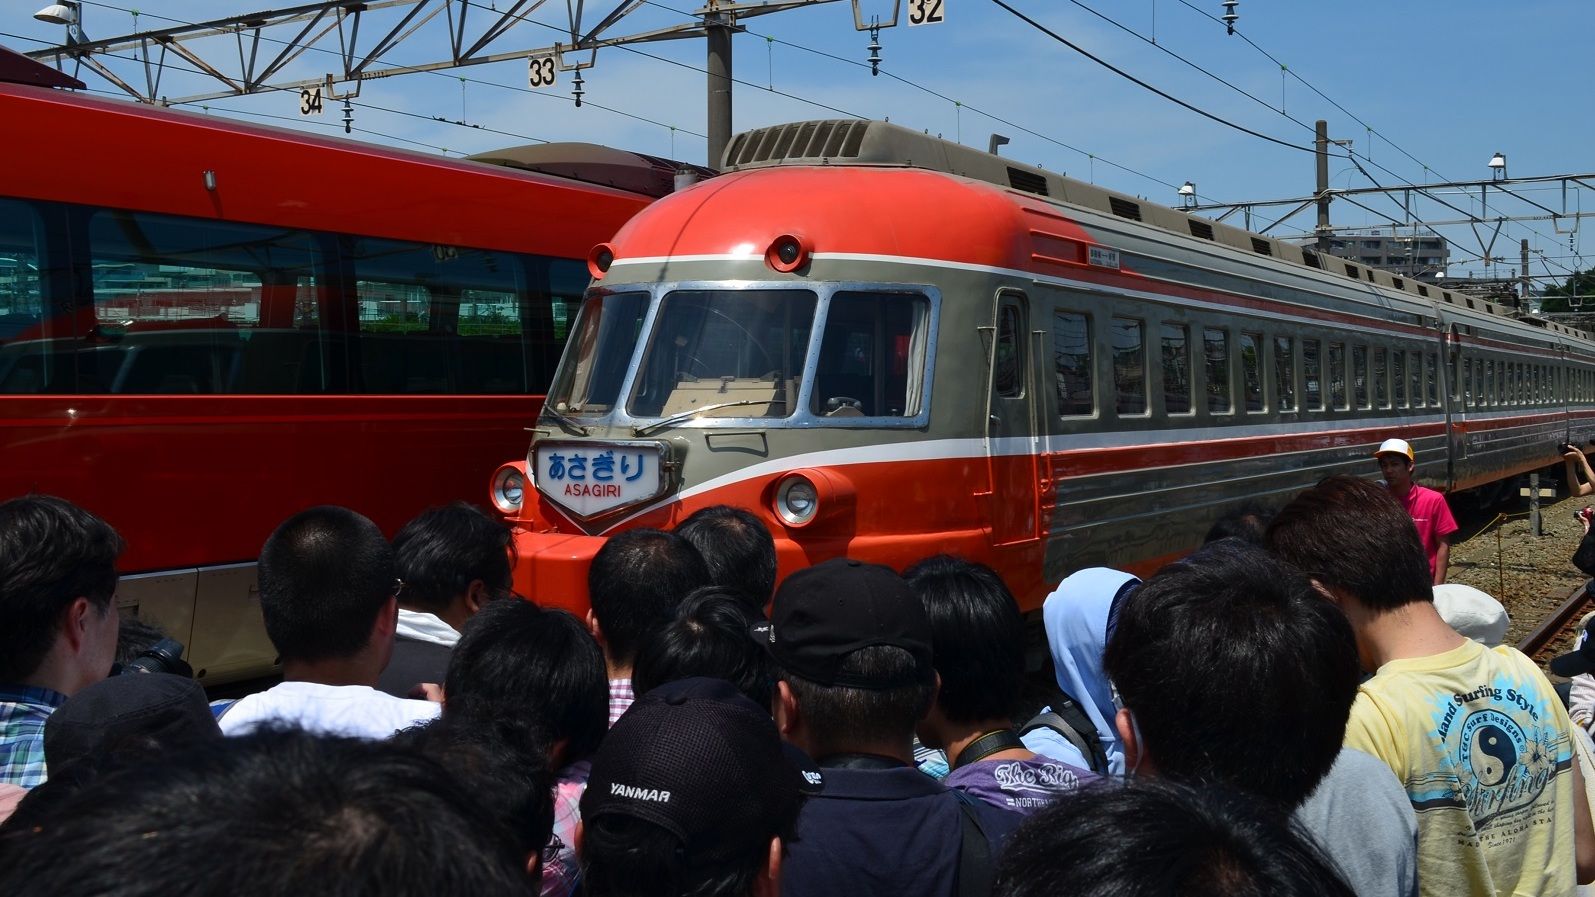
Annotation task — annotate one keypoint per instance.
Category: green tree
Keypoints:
(1559, 298)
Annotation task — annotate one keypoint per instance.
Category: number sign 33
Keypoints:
(925, 12)
(541, 71)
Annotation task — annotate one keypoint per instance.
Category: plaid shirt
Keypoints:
(620, 697)
(23, 710)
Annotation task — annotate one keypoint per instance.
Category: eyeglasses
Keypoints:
(553, 850)
(398, 587)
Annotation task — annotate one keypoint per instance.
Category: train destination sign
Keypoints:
(589, 479)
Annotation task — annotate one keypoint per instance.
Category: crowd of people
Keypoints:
(1287, 710)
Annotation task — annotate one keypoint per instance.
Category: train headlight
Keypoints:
(796, 501)
(599, 260)
(509, 488)
(787, 253)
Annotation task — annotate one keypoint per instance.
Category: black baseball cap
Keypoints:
(823, 613)
(136, 710)
(1578, 661)
(698, 759)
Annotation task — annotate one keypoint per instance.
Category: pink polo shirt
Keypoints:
(1432, 516)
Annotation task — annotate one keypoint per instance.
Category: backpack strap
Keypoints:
(1068, 719)
(976, 872)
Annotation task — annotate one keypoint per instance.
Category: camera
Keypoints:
(1565, 447)
(1584, 514)
(165, 656)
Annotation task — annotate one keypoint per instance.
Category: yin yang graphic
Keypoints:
(1491, 754)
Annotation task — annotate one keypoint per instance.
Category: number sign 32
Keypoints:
(925, 12)
(541, 72)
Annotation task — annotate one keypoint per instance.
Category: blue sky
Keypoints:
(1444, 82)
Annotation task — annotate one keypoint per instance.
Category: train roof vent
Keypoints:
(1370, 275)
(1400, 284)
(1028, 181)
(1351, 271)
(1262, 247)
(1124, 208)
(1201, 229)
(1311, 258)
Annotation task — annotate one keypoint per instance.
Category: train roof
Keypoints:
(596, 164)
(853, 142)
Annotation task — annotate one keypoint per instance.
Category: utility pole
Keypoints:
(1321, 151)
(718, 29)
(1523, 277)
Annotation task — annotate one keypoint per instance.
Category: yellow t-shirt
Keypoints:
(1481, 743)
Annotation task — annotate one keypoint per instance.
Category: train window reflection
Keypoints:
(1129, 366)
(1285, 373)
(599, 353)
(1313, 373)
(1359, 374)
(1251, 373)
(1381, 379)
(1009, 361)
(739, 352)
(872, 356)
(1215, 350)
(1415, 371)
(1337, 376)
(1398, 377)
(1176, 369)
(24, 353)
(1071, 357)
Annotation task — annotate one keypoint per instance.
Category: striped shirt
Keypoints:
(620, 697)
(23, 710)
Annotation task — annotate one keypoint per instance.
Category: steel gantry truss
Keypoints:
(251, 53)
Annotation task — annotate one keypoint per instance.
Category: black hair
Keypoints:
(1247, 521)
(738, 549)
(325, 574)
(52, 552)
(635, 583)
(841, 717)
(708, 637)
(503, 762)
(1353, 536)
(1228, 641)
(275, 813)
(1153, 838)
(977, 637)
(623, 856)
(443, 550)
(516, 660)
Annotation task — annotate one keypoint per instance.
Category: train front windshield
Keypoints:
(745, 354)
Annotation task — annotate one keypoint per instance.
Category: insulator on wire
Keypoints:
(1230, 16)
(576, 87)
(875, 50)
(348, 117)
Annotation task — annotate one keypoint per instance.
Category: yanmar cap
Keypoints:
(1395, 447)
(701, 761)
(823, 613)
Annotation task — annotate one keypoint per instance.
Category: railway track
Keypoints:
(1561, 623)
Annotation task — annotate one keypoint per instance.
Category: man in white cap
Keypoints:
(1472, 613)
(1427, 508)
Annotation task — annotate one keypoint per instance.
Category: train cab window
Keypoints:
(1381, 379)
(1129, 365)
(740, 353)
(1359, 375)
(1312, 374)
(1337, 376)
(1398, 377)
(872, 356)
(29, 359)
(602, 343)
(1008, 366)
(1285, 373)
(1176, 349)
(1215, 351)
(1251, 370)
(188, 306)
(1071, 358)
(1431, 376)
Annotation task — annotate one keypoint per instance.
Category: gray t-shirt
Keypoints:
(1023, 786)
(1361, 817)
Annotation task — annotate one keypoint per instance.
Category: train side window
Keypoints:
(1491, 397)
(1337, 376)
(1129, 366)
(1251, 370)
(29, 359)
(1071, 358)
(1285, 372)
(1313, 374)
(1359, 374)
(1431, 376)
(1398, 377)
(1381, 379)
(1415, 372)
(189, 306)
(1176, 369)
(1008, 364)
(1215, 349)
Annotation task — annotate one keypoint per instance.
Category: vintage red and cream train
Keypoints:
(890, 345)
